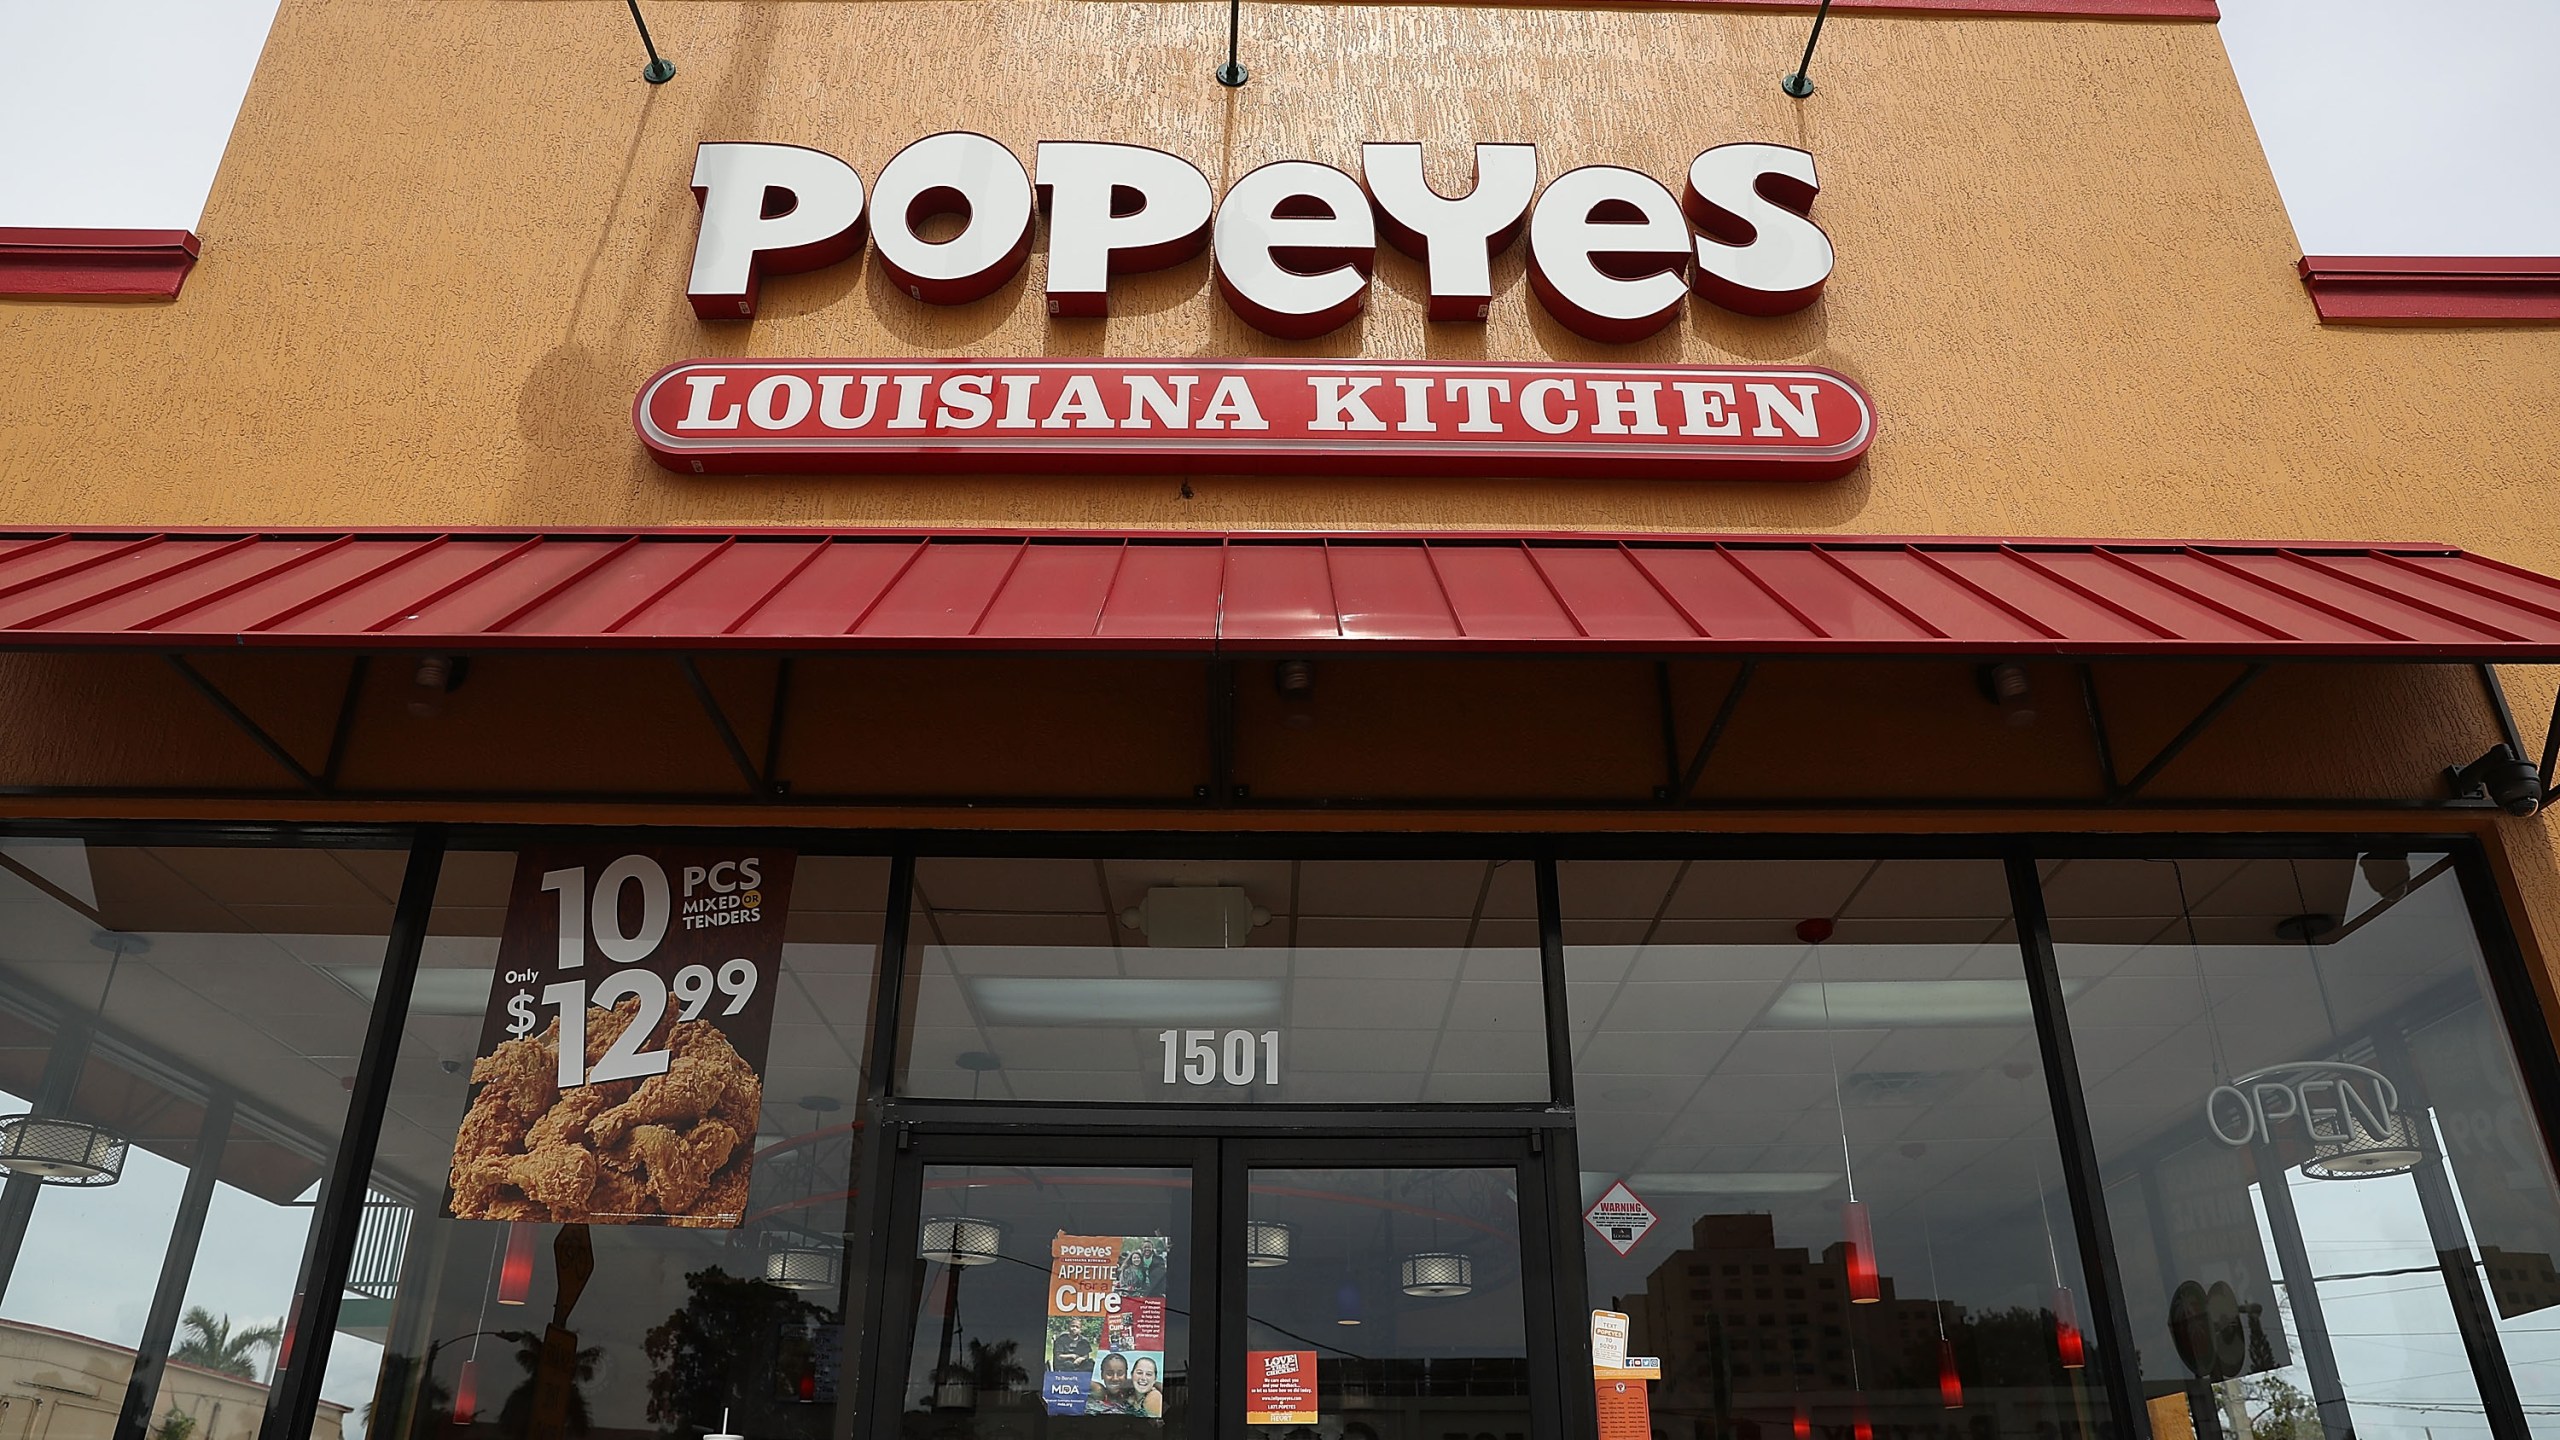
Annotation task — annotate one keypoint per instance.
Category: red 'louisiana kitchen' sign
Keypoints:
(708, 417)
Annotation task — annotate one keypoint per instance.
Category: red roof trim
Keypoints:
(2050, 9)
(2434, 289)
(1804, 596)
(38, 263)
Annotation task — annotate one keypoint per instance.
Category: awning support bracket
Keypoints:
(247, 726)
(2177, 745)
(1669, 717)
(2551, 751)
(1222, 788)
(345, 730)
(720, 721)
(1715, 732)
(773, 729)
(2098, 727)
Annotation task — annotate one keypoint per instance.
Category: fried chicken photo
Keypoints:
(674, 1145)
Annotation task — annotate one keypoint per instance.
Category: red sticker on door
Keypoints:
(1280, 1387)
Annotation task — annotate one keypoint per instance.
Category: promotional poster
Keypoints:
(1280, 1388)
(620, 1068)
(1106, 1325)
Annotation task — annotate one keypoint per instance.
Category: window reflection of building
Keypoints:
(1737, 1315)
(70, 1387)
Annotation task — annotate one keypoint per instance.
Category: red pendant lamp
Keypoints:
(515, 1273)
(466, 1393)
(1862, 1428)
(1950, 1384)
(2066, 1330)
(1804, 1422)
(1858, 1257)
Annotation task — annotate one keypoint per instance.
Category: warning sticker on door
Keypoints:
(1621, 1218)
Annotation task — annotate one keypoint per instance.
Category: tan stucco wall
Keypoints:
(450, 238)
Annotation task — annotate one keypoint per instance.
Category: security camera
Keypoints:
(2514, 784)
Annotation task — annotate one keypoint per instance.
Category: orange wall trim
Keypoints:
(51, 264)
(2073, 9)
(2434, 289)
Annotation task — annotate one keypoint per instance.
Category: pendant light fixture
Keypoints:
(58, 1150)
(1437, 1274)
(515, 1272)
(466, 1386)
(1857, 1227)
(800, 1267)
(2066, 1330)
(961, 1240)
(1346, 1304)
(2067, 1342)
(1267, 1243)
(466, 1389)
(2363, 1146)
(792, 1263)
(1950, 1383)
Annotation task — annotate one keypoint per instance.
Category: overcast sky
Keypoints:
(2396, 127)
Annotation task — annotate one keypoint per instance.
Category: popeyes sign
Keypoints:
(1613, 256)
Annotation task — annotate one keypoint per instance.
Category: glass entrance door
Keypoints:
(1052, 1290)
(1072, 1287)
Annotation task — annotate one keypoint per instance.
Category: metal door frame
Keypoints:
(1220, 1160)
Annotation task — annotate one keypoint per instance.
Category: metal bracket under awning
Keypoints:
(433, 605)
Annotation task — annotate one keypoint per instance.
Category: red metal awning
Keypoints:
(1205, 592)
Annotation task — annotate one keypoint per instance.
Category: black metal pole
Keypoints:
(2302, 1291)
(1800, 84)
(660, 69)
(2472, 1316)
(1232, 73)
(339, 1213)
(867, 1292)
(177, 1267)
(2083, 1182)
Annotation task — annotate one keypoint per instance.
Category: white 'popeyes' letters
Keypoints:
(1456, 239)
(938, 175)
(767, 210)
(1611, 252)
(1114, 209)
(1294, 248)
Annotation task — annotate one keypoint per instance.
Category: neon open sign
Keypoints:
(2336, 1105)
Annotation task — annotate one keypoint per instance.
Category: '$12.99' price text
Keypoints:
(695, 987)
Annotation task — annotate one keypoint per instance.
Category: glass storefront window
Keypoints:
(2332, 1206)
(739, 1312)
(178, 1025)
(1251, 982)
(1812, 1095)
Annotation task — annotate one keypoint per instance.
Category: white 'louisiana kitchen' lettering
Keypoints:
(1247, 415)
(1338, 404)
(968, 402)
